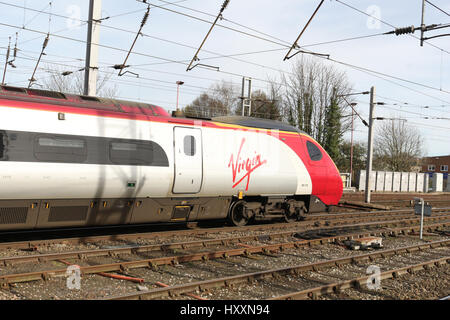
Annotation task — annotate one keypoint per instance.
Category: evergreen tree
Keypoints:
(332, 131)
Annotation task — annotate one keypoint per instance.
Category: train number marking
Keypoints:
(243, 168)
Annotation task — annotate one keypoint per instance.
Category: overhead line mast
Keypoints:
(6, 61)
(124, 65)
(93, 37)
(423, 28)
(295, 45)
(44, 45)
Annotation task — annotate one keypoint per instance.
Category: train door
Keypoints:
(188, 160)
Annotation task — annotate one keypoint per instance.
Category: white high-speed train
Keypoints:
(68, 160)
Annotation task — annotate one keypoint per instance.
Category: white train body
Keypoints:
(57, 155)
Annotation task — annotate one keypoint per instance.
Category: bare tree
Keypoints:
(74, 83)
(397, 146)
(264, 106)
(221, 99)
(309, 92)
(205, 106)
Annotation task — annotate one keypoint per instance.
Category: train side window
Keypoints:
(60, 149)
(131, 153)
(189, 145)
(314, 151)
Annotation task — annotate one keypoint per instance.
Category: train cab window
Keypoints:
(189, 146)
(131, 153)
(313, 151)
(60, 149)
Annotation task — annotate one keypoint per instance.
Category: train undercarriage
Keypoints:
(48, 214)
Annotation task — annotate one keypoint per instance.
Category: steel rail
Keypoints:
(273, 273)
(31, 244)
(84, 254)
(397, 196)
(167, 234)
(358, 282)
(153, 263)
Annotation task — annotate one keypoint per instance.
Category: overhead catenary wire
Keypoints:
(230, 21)
(206, 89)
(438, 8)
(172, 61)
(162, 7)
(386, 75)
(44, 45)
(79, 68)
(387, 23)
(366, 69)
(421, 115)
(157, 80)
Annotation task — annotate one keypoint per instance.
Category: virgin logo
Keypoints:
(243, 167)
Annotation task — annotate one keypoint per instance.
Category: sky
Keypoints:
(173, 32)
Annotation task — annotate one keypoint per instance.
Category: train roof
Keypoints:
(257, 123)
(80, 101)
(130, 108)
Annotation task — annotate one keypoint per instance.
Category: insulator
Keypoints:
(45, 43)
(225, 4)
(144, 19)
(15, 47)
(406, 30)
(118, 66)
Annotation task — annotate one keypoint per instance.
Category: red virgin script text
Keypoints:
(243, 168)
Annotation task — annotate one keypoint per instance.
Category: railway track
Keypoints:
(313, 222)
(241, 247)
(276, 274)
(399, 199)
(171, 247)
(359, 282)
(127, 255)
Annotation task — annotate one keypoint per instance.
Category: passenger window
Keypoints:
(131, 153)
(61, 143)
(314, 151)
(189, 145)
(60, 149)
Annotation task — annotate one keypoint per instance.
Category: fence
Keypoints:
(403, 182)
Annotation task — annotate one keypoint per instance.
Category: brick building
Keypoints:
(439, 164)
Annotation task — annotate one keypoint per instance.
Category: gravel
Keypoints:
(423, 285)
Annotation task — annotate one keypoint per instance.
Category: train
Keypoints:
(80, 161)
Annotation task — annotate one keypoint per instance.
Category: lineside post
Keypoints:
(246, 100)
(422, 25)
(370, 145)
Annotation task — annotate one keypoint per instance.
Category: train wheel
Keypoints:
(292, 213)
(238, 216)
